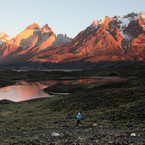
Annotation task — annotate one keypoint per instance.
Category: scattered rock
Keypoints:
(80, 138)
(94, 125)
(97, 141)
(133, 134)
(55, 134)
(110, 142)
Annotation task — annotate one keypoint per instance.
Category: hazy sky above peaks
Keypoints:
(63, 16)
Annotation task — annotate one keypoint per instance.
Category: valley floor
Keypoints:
(113, 113)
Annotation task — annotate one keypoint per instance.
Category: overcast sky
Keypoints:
(63, 16)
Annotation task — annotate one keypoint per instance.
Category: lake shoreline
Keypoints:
(35, 81)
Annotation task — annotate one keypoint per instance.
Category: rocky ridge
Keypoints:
(110, 39)
(29, 42)
(117, 39)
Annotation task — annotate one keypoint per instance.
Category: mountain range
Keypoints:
(110, 40)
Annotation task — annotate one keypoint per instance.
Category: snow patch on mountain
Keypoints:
(126, 37)
(124, 22)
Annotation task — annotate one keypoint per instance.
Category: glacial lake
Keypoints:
(30, 90)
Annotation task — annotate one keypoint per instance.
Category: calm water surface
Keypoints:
(31, 90)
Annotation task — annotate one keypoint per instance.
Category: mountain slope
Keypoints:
(110, 39)
(29, 42)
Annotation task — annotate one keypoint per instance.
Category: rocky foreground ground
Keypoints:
(74, 136)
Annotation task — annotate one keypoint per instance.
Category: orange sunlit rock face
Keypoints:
(30, 47)
(32, 40)
(48, 42)
(137, 48)
(101, 41)
(33, 26)
(87, 44)
(4, 37)
(110, 39)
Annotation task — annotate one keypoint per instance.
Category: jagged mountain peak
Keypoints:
(46, 29)
(95, 23)
(130, 17)
(126, 24)
(106, 40)
(133, 15)
(61, 39)
(121, 22)
(4, 37)
(124, 20)
(34, 26)
(116, 17)
(45, 26)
